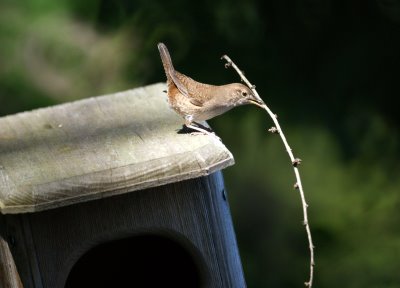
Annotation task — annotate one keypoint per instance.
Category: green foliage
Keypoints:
(57, 56)
(330, 73)
(353, 206)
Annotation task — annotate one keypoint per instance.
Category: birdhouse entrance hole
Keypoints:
(141, 261)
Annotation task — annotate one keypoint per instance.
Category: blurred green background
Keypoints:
(329, 69)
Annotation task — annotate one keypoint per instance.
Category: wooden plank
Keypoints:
(9, 276)
(193, 212)
(99, 147)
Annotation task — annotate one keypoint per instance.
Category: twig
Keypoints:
(295, 163)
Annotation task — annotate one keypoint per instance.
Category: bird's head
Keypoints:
(240, 94)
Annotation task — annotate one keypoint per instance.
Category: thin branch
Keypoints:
(295, 163)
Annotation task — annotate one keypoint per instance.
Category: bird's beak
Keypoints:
(258, 102)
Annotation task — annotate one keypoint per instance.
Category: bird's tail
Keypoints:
(166, 60)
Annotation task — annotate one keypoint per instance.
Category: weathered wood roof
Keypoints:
(98, 147)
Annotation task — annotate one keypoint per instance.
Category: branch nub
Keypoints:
(296, 162)
(273, 130)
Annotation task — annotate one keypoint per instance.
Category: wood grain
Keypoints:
(193, 212)
(9, 276)
(99, 147)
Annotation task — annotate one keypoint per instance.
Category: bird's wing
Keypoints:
(181, 87)
(176, 78)
(196, 102)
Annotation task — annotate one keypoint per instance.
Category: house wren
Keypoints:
(196, 101)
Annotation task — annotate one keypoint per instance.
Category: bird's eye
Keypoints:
(244, 93)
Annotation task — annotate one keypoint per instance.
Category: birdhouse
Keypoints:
(104, 192)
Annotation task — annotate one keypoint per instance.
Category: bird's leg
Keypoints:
(189, 124)
(203, 127)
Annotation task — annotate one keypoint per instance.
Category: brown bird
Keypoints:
(196, 101)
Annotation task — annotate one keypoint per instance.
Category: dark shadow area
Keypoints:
(143, 261)
(188, 130)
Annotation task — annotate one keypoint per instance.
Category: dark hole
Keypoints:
(144, 261)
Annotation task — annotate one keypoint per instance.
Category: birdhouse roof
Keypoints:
(98, 147)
